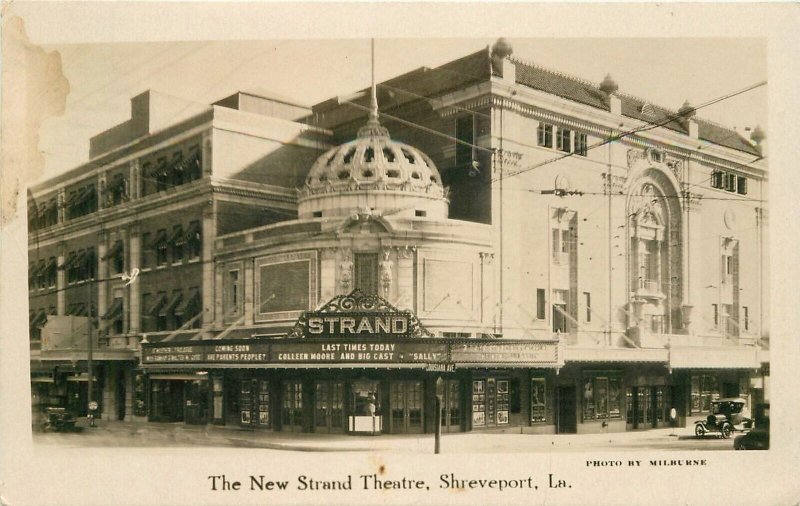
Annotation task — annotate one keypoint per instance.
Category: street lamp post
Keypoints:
(91, 404)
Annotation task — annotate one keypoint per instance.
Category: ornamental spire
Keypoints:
(373, 127)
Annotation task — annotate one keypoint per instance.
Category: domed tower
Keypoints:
(376, 173)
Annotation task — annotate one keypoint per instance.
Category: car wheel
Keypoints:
(726, 431)
(699, 431)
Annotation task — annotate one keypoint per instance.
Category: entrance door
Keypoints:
(166, 401)
(329, 406)
(292, 408)
(566, 422)
(405, 404)
(450, 392)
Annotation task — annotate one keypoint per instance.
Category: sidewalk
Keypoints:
(179, 434)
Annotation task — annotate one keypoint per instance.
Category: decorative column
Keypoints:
(248, 284)
(102, 190)
(61, 279)
(386, 273)
(135, 179)
(405, 277)
(207, 154)
(133, 304)
(207, 259)
(102, 276)
(61, 201)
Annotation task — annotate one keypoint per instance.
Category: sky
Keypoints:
(103, 77)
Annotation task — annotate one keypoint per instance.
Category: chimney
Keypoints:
(686, 113)
(501, 65)
(609, 86)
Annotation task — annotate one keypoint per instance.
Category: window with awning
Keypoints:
(117, 256)
(114, 311)
(160, 301)
(189, 305)
(37, 318)
(173, 303)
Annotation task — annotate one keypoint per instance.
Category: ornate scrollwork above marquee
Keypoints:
(655, 158)
(358, 302)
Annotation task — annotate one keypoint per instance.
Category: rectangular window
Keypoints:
(581, 144)
(194, 164)
(160, 315)
(161, 247)
(563, 140)
(560, 246)
(717, 179)
(544, 135)
(741, 185)
(465, 132)
(177, 244)
(726, 268)
(715, 314)
(587, 300)
(538, 398)
(746, 317)
(177, 168)
(366, 270)
(560, 314)
(704, 389)
(194, 240)
(144, 261)
(540, 304)
(51, 272)
(730, 182)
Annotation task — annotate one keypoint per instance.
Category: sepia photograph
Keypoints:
(316, 252)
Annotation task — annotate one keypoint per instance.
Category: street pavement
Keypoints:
(151, 434)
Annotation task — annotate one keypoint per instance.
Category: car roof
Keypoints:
(730, 399)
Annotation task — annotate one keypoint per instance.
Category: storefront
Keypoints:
(357, 372)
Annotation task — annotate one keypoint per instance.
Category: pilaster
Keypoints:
(134, 292)
(207, 259)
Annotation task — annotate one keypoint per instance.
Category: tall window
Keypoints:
(233, 292)
(726, 266)
(144, 261)
(563, 140)
(746, 317)
(601, 397)
(560, 246)
(715, 314)
(177, 244)
(544, 135)
(161, 247)
(465, 132)
(194, 240)
(581, 144)
(540, 304)
(587, 301)
(366, 271)
(560, 314)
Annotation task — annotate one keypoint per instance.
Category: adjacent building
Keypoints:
(530, 250)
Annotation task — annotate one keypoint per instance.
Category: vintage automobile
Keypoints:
(758, 438)
(727, 415)
(59, 419)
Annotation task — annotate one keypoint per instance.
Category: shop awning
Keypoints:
(177, 234)
(77, 309)
(115, 311)
(173, 303)
(722, 357)
(179, 376)
(81, 377)
(42, 379)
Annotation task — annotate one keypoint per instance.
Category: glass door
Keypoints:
(292, 408)
(329, 406)
(405, 398)
(450, 392)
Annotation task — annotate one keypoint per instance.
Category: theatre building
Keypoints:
(542, 253)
